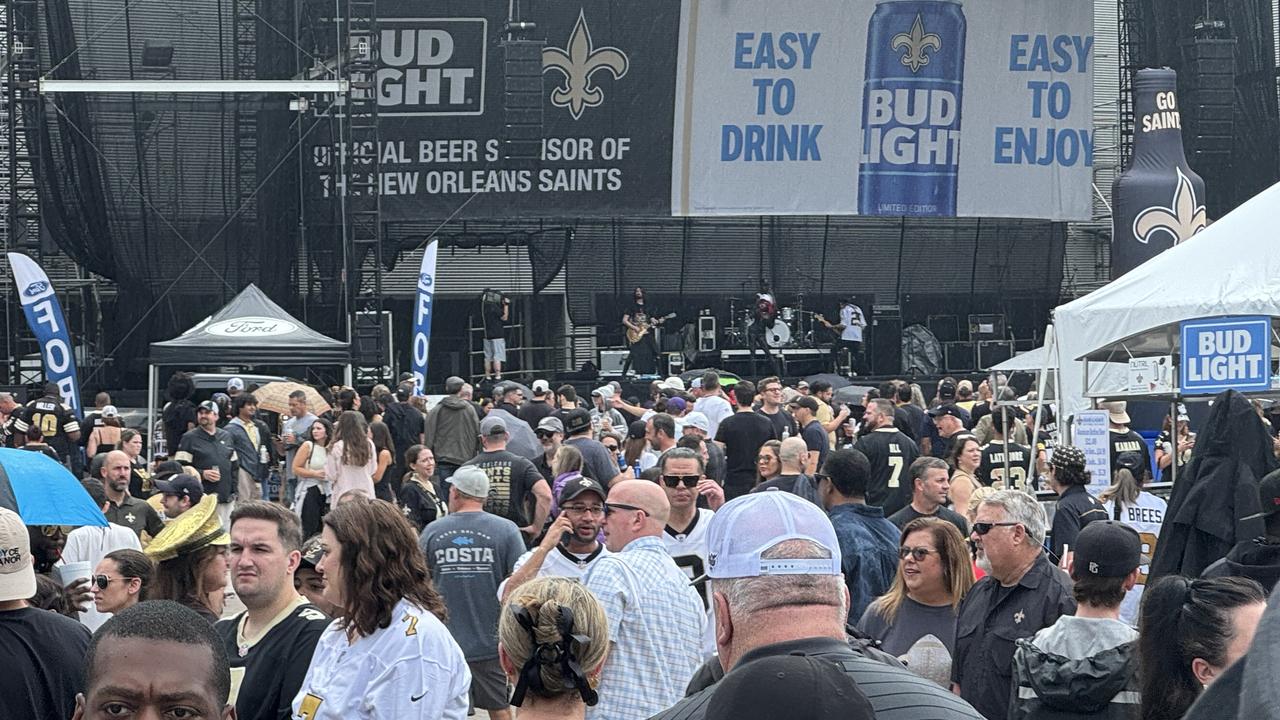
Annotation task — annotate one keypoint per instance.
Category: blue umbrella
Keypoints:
(43, 492)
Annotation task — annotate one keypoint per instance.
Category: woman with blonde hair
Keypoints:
(552, 640)
(916, 619)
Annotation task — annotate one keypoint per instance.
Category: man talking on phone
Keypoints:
(571, 544)
(206, 452)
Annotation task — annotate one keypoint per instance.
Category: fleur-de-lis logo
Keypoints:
(1182, 219)
(578, 62)
(916, 42)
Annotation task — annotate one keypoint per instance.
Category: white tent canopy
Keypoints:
(1230, 268)
(1029, 361)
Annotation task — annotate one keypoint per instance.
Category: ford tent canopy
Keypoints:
(250, 330)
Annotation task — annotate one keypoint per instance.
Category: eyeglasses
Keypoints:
(611, 447)
(611, 508)
(689, 481)
(819, 477)
(776, 389)
(982, 528)
(917, 553)
(102, 581)
(585, 509)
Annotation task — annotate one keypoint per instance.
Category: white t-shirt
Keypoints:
(853, 322)
(1146, 516)
(410, 670)
(90, 544)
(716, 409)
(689, 550)
(559, 563)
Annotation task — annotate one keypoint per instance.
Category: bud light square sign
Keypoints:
(936, 108)
(1232, 353)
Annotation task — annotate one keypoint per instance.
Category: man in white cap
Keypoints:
(235, 386)
(774, 567)
(539, 406)
(42, 652)
(1122, 438)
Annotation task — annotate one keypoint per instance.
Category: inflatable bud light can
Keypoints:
(910, 158)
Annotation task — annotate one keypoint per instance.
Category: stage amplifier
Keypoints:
(706, 333)
(960, 356)
(986, 327)
(993, 352)
(611, 361)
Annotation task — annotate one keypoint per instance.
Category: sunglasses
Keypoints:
(982, 528)
(764, 458)
(544, 434)
(917, 553)
(611, 447)
(689, 481)
(102, 581)
(52, 531)
(611, 508)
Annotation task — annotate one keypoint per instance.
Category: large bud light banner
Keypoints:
(891, 108)
(603, 130)
(44, 316)
(1158, 201)
(422, 316)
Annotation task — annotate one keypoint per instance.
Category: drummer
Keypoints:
(765, 312)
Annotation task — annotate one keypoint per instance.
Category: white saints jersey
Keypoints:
(560, 563)
(1146, 515)
(689, 550)
(411, 670)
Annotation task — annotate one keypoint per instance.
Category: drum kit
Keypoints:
(793, 326)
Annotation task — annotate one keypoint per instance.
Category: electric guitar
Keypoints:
(827, 323)
(635, 336)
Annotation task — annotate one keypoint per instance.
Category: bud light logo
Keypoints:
(425, 282)
(431, 66)
(36, 288)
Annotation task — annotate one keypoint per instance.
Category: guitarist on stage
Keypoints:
(852, 323)
(639, 324)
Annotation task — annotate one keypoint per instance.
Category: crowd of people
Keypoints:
(725, 549)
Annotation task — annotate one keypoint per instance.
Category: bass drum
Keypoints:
(776, 334)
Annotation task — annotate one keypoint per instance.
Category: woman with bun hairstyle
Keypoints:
(552, 641)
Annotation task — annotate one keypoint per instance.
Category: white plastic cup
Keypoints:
(73, 571)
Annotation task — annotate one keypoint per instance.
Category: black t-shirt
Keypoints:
(815, 438)
(1129, 441)
(43, 656)
(638, 314)
(908, 513)
(204, 450)
(784, 426)
(493, 326)
(178, 418)
(533, 411)
(511, 481)
(405, 423)
(742, 434)
(266, 676)
(991, 467)
(891, 454)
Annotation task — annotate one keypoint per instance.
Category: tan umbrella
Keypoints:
(274, 397)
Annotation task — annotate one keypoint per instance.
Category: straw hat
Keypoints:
(192, 530)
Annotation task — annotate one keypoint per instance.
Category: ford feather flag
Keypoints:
(44, 315)
(422, 316)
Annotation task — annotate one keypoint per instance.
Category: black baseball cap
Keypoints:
(312, 551)
(575, 486)
(788, 686)
(1107, 548)
(1268, 495)
(952, 410)
(947, 391)
(182, 485)
(576, 420)
(805, 402)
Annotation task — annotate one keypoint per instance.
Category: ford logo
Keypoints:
(36, 288)
(251, 327)
(425, 280)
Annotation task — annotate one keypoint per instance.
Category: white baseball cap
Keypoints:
(746, 527)
(471, 480)
(540, 387)
(698, 420)
(17, 574)
(674, 383)
(235, 383)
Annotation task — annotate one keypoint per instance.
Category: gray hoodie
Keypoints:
(1076, 668)
(452, 431)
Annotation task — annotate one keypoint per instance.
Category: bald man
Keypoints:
(123, 508)
(656, 619)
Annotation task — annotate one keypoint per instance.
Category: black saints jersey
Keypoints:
(891, 454)
(267, 671)
(991, 470)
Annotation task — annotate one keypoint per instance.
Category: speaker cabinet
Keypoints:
(959, 356)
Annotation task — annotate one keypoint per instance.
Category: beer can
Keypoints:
(911, 96)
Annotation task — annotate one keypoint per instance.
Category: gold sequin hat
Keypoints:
(190, 531)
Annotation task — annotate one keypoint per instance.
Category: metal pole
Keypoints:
(152, 383)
